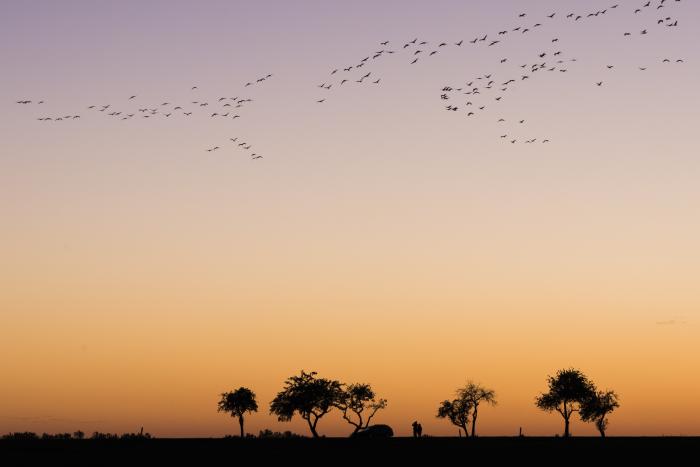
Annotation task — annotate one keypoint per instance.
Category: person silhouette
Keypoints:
(417, 429)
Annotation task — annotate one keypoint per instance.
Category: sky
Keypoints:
(380, 239)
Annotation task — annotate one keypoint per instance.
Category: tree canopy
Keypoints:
(237, 403)
(309, 396)
(475, 394)
(457, 412)
(597, 407)
(568, 390)
(359, 405)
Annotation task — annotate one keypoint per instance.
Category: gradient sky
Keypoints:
(381, 239)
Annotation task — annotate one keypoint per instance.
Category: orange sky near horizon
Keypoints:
(381, 240)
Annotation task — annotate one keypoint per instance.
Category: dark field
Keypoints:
(329, 451)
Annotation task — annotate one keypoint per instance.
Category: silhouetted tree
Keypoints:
(568, 390)
(597, 407)
(457, 412)
(79, 435)
(237, 403)
(475, 394)
(310, 397)
(356, 402)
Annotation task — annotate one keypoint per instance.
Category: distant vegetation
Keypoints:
(571, 391)
(311, 397)
(78, 435)
(267, 433)
(237, 403)
(465, 407)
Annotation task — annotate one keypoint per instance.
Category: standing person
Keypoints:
(417, 429)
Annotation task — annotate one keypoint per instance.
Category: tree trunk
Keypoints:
(474, 422)
(312, 427)
(240, 421)
(600, 424)
(566, 427)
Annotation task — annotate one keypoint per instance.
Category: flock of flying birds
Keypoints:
(218, 107)
(487, 90)
(483, 91)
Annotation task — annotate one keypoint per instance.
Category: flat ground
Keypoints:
(330, 451)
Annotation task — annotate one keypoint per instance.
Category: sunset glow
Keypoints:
(381, 239)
